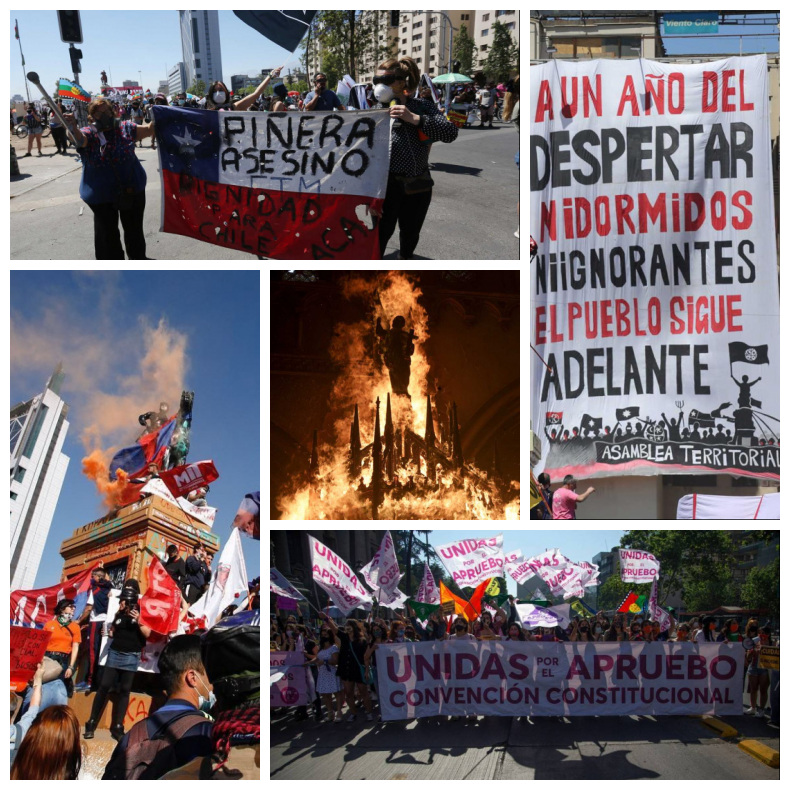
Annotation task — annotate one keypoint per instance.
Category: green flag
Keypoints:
(422, 610)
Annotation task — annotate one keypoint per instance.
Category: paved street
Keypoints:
(472, 215)
(628, 747)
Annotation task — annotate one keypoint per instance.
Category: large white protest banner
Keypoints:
(382, 572)
(280, 585)
(490, 678)
(532, 616)
(287, 679)
(519, 569)
(655, 287)
(333, 575)
(638, 567)
(472, 560)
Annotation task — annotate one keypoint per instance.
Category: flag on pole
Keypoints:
(248, 516)
(16, 29)
(160, 607)
(471, 608)
(628, 602)
(71, 90)
(428, 592)
(228, 583)
(149, 449)
(284, 28)
(422, 609)
(280, 585)
(382, 572)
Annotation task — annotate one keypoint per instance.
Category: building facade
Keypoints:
(200, 46)
(482, 31)
(164, 87)
(38, 467)
(177, 79)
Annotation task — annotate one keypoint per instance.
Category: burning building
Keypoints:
(395, 395)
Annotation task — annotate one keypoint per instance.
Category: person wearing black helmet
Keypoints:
(128, 639)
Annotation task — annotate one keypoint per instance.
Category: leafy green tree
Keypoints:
(198, 88)
(761, 589)
(686, 556)
(464, 50)
(503, 55)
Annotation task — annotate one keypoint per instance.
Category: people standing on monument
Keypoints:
(177, 732)
(197, 575)
(175, 566)
(565, 499)
(123, 658)
(64, 644)
(95, 614)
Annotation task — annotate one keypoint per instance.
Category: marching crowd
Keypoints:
(207, 723)
(114, 180)
(342, 658)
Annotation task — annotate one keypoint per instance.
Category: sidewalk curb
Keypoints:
(765, 754)
(717, 725)
(48, 181)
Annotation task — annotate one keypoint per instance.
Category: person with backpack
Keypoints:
(179, 731)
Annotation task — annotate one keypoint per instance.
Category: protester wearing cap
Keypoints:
(322, 99)
(280, 92)
(565, 499)
(123, 657)
(113, 180)
(64, 644)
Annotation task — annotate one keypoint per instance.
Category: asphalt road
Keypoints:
(472, 215)
(626, 747)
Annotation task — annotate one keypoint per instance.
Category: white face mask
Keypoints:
(219, 97)
(206, 703)
(383, 93)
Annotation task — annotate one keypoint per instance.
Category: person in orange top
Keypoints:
(65, 640)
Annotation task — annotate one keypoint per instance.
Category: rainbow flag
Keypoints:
(70, 90)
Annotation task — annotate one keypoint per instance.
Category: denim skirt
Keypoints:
(127, 661)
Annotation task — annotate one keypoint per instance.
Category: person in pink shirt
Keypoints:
(566, 498)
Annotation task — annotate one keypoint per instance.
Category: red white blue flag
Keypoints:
(289, 186)
(149, 449)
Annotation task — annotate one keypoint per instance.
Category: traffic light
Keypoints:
(70, 27)
(76, 56)
(456, 66)
(394, 18)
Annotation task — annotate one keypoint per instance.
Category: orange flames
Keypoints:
(363, 379)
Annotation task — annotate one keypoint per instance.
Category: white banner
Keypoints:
(655, 286)
(492, 678)
(428, 591)
(280, 585)
(333, 575)
(638, 567)
(519, 569)
(205, 514)
(382, 572)
(532, 616)
(394, 599)
(709, 506)
(566, 579)
(472, 560)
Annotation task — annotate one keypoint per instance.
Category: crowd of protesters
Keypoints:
(342, 658)
(204, 718)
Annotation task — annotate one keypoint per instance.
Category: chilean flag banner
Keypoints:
(150, 449)
(289, 185)
(180, 480)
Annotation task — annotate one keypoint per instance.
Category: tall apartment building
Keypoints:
(200, 46)
(177, 79)
(164, 87)
(37, 470)
(483, 31)
(426, 38)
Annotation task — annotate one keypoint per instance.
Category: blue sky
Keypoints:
(125, 42)
(101, 325)
(577, 544)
